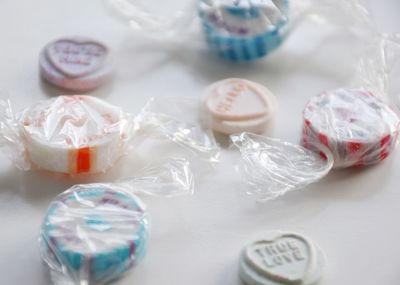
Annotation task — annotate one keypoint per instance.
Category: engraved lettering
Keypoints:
(260, 253)
(280, 253)
(292, 245)
(271, 250)
(278, 260)
(298, 255)
(229, 98)
(287, 257)
(281, 247)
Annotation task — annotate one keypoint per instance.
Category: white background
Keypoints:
(351, 214)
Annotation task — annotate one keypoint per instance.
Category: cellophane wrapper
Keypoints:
(95, 233)
(84, 135)
(238, 31)
(348, 127)
(272, 167)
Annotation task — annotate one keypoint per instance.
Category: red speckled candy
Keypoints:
(357, 127)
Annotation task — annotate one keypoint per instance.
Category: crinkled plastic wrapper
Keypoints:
(236, 30)
(176, 119)
(347, 127)
(95, 233)
(272, 167)
(343, 128)
(83, 134)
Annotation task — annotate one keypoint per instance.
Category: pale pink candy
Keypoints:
(75, 63)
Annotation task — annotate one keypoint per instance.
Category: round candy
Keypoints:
(238, 105)
(357, 127)
(77, 64)
(281, 259)
(95, 232)
(244, 30)
(73, 134)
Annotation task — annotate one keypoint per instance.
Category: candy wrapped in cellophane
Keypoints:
(347, 127)
(235, 30)
(95, 233)
(83, 135)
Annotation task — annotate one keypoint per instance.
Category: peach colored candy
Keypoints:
(237, 100)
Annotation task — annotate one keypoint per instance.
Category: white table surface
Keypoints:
(351, 214)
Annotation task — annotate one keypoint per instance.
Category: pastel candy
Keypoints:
(238, 105)
(77, 64)
(281, 258)
(357, 127)
(237, 100)
(94, 232)
(73, 134)
(244, 30)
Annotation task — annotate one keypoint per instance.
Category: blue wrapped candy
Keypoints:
(244, 30)
(95, 233)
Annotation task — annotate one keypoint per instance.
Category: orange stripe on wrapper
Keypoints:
(81, 160)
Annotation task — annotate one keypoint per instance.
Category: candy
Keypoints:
(83, 134)
(244, 30)
(73, 134)
(238, 105)
(281, 258)
(357, 127)
(95, 232)
(77, 64)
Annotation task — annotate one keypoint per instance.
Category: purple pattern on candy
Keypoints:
(220, 23)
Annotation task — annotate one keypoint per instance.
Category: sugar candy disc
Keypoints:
(237, 105)
(281, 258)
(357, 127)
(76, 63)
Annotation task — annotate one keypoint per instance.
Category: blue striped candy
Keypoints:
(242, 48)
(99, 266)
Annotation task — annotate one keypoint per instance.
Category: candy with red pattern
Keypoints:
(357, 127)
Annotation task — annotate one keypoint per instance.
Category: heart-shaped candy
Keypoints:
(237, 100)
(76, 57)
(286, 259)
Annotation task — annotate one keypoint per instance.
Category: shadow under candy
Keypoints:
(102, 91)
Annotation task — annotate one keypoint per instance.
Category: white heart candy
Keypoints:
(286, 259)
(76, 57)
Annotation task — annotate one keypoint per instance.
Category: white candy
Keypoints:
(73, 134)
(281, 258)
